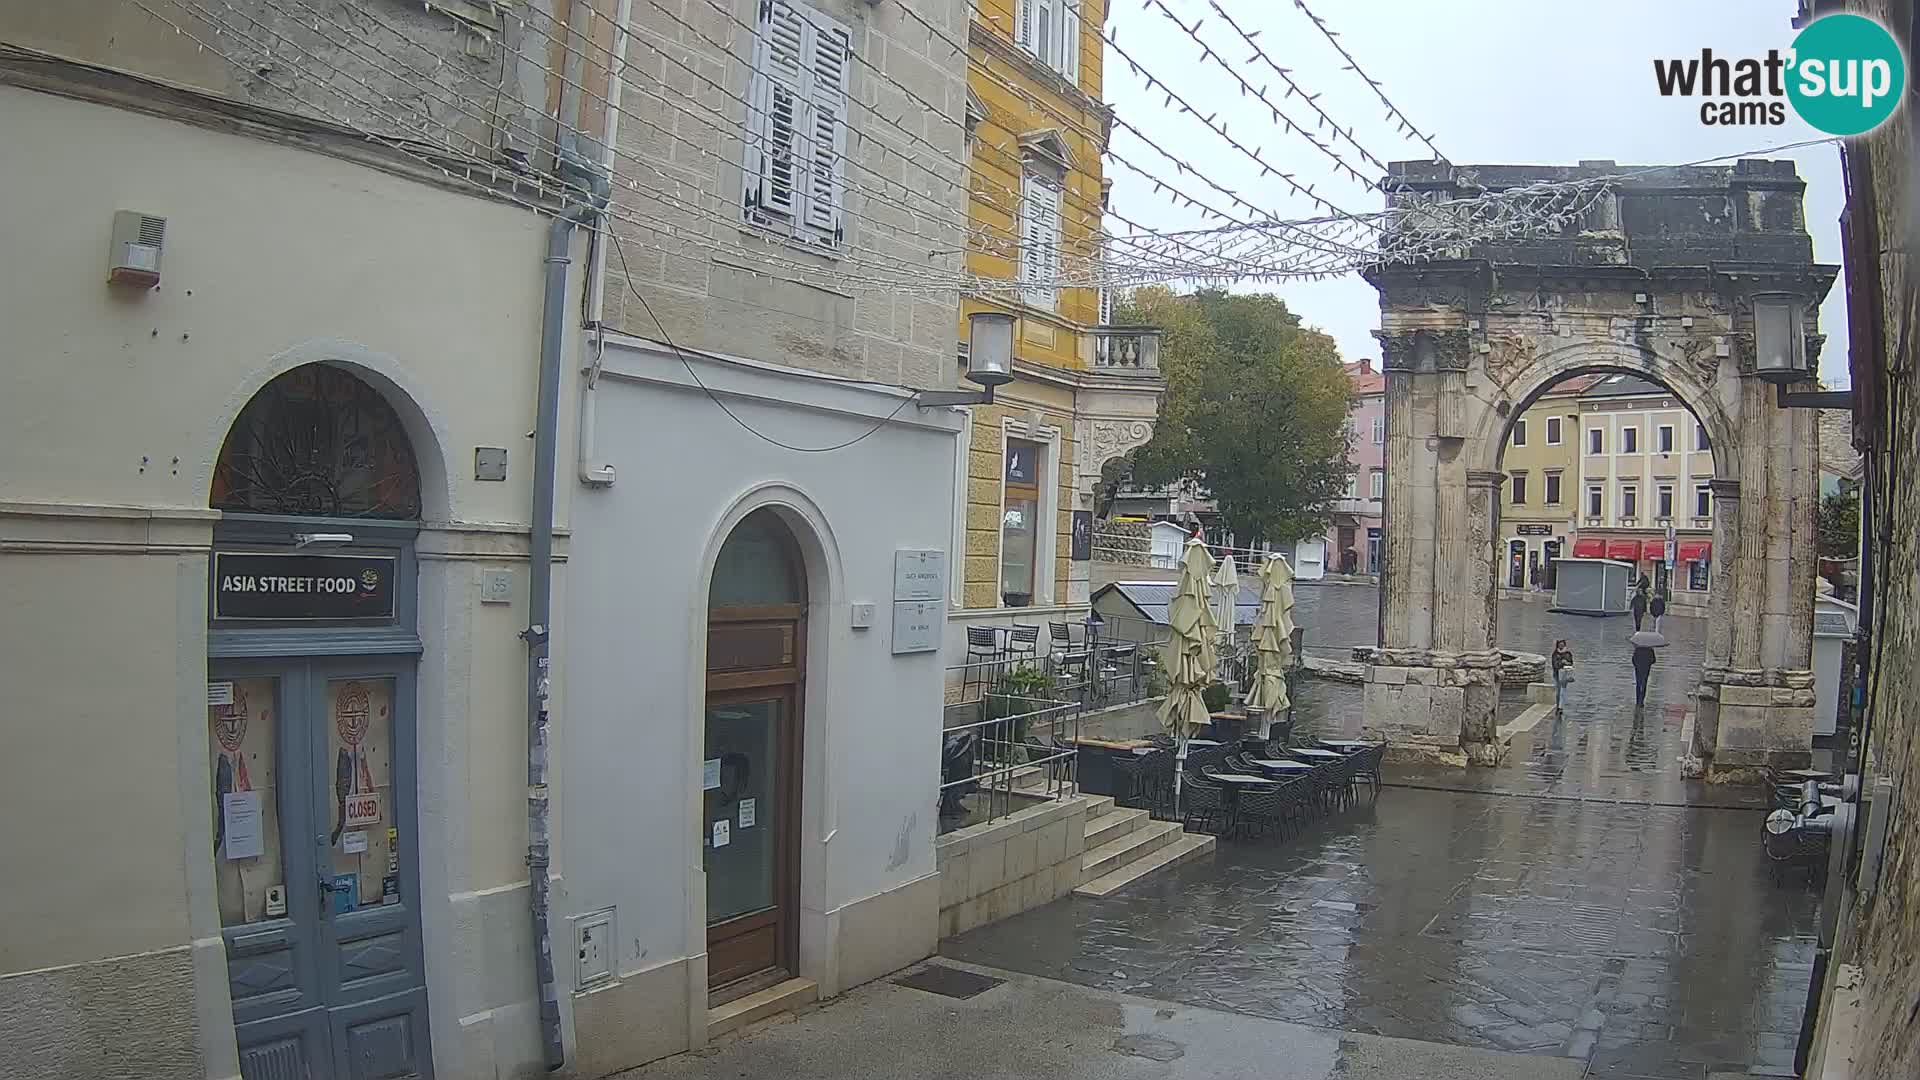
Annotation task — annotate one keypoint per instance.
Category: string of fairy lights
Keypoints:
(930, 201)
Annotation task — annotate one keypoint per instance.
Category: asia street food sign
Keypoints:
(302, 587)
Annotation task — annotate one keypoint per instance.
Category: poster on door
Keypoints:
(360, 742)
(242, 724)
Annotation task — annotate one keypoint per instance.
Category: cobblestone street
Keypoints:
(1581, 901)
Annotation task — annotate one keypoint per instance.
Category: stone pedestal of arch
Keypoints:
(1658, 282)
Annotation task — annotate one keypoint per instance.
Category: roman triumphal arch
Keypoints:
(1657, 278)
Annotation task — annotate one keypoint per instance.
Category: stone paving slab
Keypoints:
(1033, 1027)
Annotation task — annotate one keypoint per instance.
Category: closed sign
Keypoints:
(363, 809)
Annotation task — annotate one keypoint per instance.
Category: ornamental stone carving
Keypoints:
(1108, 439)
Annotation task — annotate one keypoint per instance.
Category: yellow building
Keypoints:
(1084, 392)
(1540, 498)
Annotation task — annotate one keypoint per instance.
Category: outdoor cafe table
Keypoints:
(1345, 746)
(1314, 754)
(1281, 766)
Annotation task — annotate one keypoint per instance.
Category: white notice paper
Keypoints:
(710, 774)
(722, 833)
(746, 813)
(219, 693)
(353, 843)
(241, 810)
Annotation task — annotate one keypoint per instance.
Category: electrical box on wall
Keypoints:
(593, 948)
(134, 258)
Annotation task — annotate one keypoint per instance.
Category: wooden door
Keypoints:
(751, 758)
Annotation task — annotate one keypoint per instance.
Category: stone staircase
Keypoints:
(1123, 846)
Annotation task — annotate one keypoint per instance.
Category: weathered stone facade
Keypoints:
(1884, 319)
(1657, 280)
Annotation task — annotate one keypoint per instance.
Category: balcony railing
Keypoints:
(1128, 349)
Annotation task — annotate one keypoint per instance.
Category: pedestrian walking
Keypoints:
(1562, 673)
(1658, 607)
(1642, 591)
(1643, 658)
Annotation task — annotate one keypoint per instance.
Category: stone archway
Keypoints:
(1657, 280)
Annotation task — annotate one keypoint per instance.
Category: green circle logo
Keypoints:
(1848, 74)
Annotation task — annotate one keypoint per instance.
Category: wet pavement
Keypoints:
(1644, 941)
(1582, 901)
(1600, 748)
(1023, 1027)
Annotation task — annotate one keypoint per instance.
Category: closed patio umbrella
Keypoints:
(1272, 641)
(1189, 656)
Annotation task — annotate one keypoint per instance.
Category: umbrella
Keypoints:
(1652, 639)
(1189, 656)
(1272, 639)
(1226, 585)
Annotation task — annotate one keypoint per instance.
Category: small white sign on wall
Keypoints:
(919, 574)
(917, 625)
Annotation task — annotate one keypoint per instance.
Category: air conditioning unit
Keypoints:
(134, 258)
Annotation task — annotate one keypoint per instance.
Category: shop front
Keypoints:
(312, 733)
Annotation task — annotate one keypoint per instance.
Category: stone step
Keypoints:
(1097, 805)
(1190, 846)
(1145, 839)
(774, 1000)
(1112, 825)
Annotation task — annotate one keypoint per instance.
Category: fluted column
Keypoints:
(1750, 565)
(1726, 547)
(1398, 520)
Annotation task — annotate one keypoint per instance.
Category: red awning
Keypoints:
(1590, 548)
(1654, 549)
(1628, 550)
(1695, 550)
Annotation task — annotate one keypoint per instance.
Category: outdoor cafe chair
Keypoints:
(1134, 786)
(1024, 642)
(983, 659)
(1204, 801)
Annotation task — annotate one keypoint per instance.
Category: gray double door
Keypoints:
(314, 781)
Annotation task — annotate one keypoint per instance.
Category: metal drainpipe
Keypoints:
(539, 613)
(540, 584)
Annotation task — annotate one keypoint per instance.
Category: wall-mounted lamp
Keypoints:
(303, 540)
(1780, 352)
(989, 361)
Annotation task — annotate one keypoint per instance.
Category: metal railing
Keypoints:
(1012, 722)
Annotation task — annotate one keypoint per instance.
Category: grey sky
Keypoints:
(1511, 81)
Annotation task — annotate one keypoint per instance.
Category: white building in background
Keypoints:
(1645, 465)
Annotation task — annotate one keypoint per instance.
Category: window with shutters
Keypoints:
(796, 131)
(1049, 30)
(1039, 241)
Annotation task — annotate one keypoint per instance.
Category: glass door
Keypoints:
(747, 822)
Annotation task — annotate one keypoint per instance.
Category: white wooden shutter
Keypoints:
(1046, 32)
(829, 56)
(774, 157)
(1023, 30)
(1070, 40)
(1039, 240)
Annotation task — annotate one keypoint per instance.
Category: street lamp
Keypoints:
(1779, 338)
(989, 361)
(1780, 352)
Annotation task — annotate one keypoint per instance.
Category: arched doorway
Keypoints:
(756, 667)
(311, 731)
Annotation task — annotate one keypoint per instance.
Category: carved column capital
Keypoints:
(1425, 351)
(1485, 478)
(1724, 488)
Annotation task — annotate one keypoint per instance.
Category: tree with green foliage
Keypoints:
(1255, 411)
(1837, 523)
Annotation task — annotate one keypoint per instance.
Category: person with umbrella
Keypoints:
(1644, 642)
(1658, 608)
